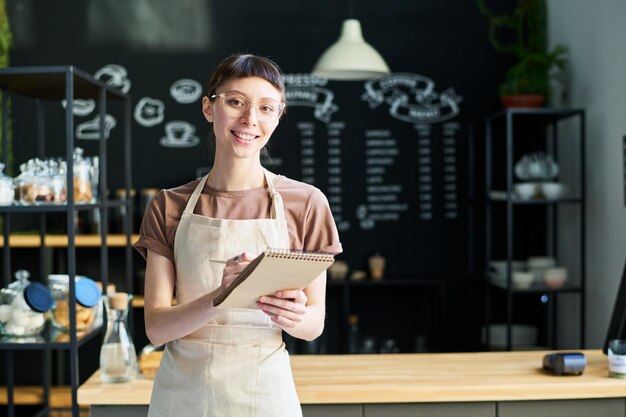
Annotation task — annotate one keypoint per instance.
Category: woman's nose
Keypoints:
(250, 116)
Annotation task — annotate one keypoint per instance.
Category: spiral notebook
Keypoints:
(273, 270)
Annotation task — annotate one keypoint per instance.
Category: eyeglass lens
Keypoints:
(267, 110)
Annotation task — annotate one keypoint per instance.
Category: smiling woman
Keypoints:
(198, 237)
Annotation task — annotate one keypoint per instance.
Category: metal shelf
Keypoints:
(543, 115)
(503, 127)
(62, 83)
(537, 288)
(502, 197)
(49, 83)
(56, 208)
(50, 338)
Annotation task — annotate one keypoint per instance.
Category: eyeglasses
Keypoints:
(237, 105)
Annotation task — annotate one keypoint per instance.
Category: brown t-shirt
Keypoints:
(309, 219)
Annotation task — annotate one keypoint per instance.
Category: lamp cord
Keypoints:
(350, 9)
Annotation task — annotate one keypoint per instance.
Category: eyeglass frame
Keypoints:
(281, 104)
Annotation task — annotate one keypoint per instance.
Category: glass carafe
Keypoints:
(118, 359)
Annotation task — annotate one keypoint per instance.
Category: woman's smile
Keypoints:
(244, 137)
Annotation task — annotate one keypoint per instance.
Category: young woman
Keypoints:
(197, 237)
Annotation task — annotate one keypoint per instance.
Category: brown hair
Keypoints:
(244, 66)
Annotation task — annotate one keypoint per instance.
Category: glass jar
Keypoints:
(88, 297)
(23, 307)
(7, 192)
(118, 213)
(48, 185)
(24, 182)
(83, 178)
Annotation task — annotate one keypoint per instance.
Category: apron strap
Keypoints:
(191, 204)
(278, 210)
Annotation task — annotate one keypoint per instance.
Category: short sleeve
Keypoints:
(320, 230)
(153, 232)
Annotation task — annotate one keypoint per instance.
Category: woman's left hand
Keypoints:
(286, 308)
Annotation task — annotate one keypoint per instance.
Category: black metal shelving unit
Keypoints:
(505, 126)
(56, 83)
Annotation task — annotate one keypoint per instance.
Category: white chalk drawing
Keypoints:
(81, 107)
(365, 221)
(306, 90)
(149, 112)
(90, 130)
(179, 134)
(186, 91)
(412, 98)
(114, 76)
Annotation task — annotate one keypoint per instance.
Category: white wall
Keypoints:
(595, 33)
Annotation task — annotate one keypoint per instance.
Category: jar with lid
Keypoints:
(23, 182)
(23, 306)
(49, 184)
(88, 297)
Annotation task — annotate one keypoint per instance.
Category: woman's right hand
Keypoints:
(233, 267)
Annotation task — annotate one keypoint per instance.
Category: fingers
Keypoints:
(234, 266)
(286, 308)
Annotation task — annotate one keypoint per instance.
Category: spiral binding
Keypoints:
(299, 254)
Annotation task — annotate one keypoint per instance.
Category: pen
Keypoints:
(219, 261)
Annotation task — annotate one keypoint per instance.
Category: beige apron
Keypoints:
(236, 365)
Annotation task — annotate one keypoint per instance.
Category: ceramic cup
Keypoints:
(338, 270)
(377, 267)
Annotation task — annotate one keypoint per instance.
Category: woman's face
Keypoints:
(244, 135)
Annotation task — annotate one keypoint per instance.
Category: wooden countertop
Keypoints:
(411, 378)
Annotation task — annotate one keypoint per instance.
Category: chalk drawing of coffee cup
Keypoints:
(179, 134)
(114, 76)
(91, 129)
(149, 112)
(186, 91)
(81, 107)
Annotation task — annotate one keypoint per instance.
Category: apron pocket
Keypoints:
(214, 380)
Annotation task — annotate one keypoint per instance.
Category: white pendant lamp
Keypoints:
(351, 58)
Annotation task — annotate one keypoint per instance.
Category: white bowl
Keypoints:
(526, 190)
(553, 190)
(555, 277)
(523, 279)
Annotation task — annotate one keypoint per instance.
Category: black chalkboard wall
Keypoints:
(391, 155)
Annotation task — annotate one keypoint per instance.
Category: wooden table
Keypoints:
(502, 384)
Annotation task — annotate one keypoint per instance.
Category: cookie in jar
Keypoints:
(84, 178)
(88, 297)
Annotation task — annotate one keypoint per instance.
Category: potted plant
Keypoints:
(523, 34)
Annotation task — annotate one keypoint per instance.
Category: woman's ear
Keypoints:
(207, 110)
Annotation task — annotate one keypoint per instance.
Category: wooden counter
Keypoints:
(412, 378)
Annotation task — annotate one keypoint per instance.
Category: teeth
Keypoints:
(245, 136)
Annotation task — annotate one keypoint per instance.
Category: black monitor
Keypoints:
(617, 326)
